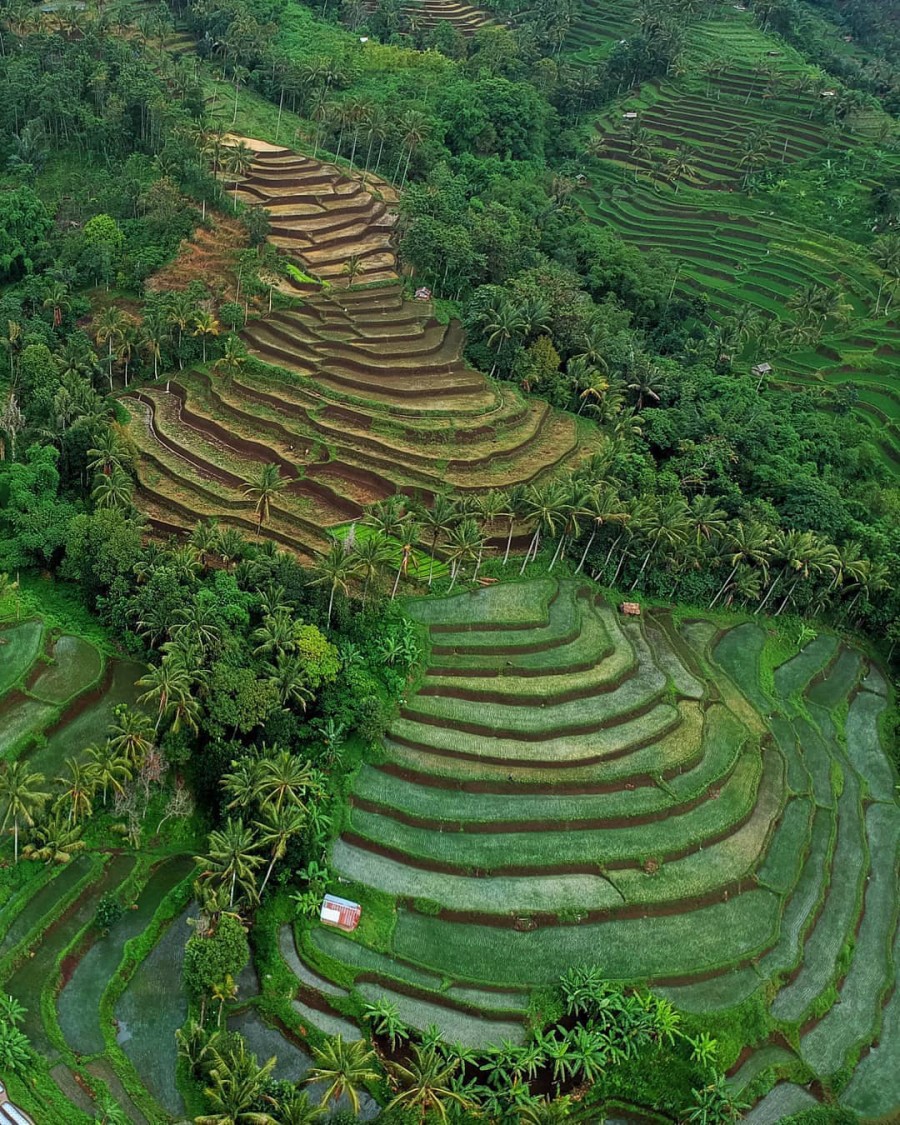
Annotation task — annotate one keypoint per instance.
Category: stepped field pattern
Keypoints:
(732, 82)
(363, 393)
(568, 786)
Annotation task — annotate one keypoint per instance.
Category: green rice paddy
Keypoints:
(727, 843)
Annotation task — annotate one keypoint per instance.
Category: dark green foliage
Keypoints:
(109, 911)
(209, 959)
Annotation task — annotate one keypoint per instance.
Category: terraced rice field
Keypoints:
(57, 695)
(358, 393)
(427, 14)
(731, 247)
(568, 786)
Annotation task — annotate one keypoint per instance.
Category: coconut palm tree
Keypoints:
(231, 860)
(21, 798)
(109, 329)
(267, 486)
(665, 526)
(169, 685)
(427, 1081)
(344, 1068)
(546, 508)
(284, 779)
(334, 570)
(464, 545)
(297, 1109)
(602, 507)
(238, 162)
(113, 490)
(680, 165)
(277, 827)
(437, 522)
(409, 538)
(503, 326)
(57, 300)
(415, 128)
(108, 767)
(131, 735)
(236, 1084)
(371, 555)
(746, 545)
(108, 451)
(206, 327)
(288, 677)
(77, 790)
(232, 360)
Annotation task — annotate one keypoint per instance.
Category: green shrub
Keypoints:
(209, 960)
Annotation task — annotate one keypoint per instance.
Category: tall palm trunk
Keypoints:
(556, 555)
(512, 520)
(724, 586)
(584, 555)
(532, 547)
(770, 591)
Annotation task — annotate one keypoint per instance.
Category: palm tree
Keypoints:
(264, 490)
(109, 329)
(109, 768)
(351, 269)
(546, 508)
(232, 360)
(503, 324)
(748, 545)
(680, 165)
(284, 780)
(464, 545)
(206, 327)
(113, 490)
(407, 543)
(335, 570)
(289, 679)
(20, 797)
(107, 452)
(58, 300)
(131, 735)
(438, 521)
(416, 127)
(231, 861)
(710, 522)
(237, 1083)
(170, 685)
(344, 1067)
(78, 790)
(238, 161)
(427, 1080)
(276, 828)
(371, 555)
(385, 1020)
(603, 506)
(665, 526)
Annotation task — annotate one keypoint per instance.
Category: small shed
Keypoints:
(762, 369)
(340, 912)
(829, 94)
(631, 115)
(630, 609)
(423, 293)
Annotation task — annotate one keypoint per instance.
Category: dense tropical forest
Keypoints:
(450, 461)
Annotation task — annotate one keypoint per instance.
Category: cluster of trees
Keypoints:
(127, 766)
(596, 1042)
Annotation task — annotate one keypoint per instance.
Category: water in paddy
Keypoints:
(19, 645)
(42, 903)
(79, 1000)
(89, 725)
(26, 982)
(76, 665)
(150, 1011)
(20, 719)
(265, 1042)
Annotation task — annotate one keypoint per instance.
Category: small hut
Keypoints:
(761, 370)
(340, 913)
(423, 293)
(630, 609)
